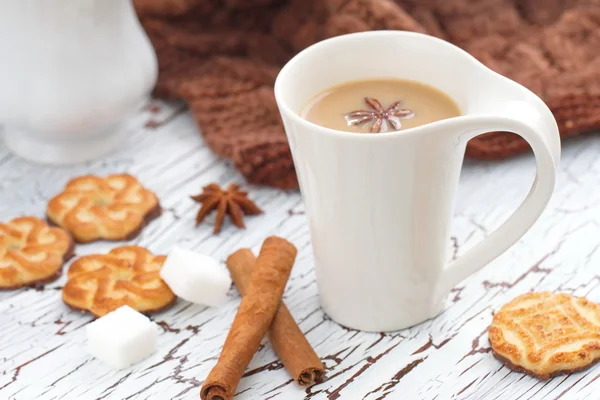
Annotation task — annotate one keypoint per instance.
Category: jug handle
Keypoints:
(532, 120)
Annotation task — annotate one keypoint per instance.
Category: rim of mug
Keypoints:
(349, 36)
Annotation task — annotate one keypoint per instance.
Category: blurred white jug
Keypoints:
(72, 76)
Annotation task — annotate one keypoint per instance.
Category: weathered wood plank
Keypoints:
(42, 354)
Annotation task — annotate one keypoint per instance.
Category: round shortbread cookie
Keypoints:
(31, 252)
(127, 275)
(545, 334)
(115, 207)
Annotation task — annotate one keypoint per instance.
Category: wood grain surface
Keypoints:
(42, 345)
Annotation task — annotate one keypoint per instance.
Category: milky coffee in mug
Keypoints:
(379, 105)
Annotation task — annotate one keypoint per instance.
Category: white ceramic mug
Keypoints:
(380, 206)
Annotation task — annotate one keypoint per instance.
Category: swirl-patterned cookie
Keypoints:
(31, 252)
(545, 334)
(115, 207)
(127, 275)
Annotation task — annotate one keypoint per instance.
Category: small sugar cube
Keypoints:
(196, 277)
(122, 337)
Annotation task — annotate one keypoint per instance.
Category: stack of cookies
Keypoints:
(115, 208)
(117, 287)
(90, 208)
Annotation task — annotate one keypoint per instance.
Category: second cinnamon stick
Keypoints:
(290, 344)
(253, 318)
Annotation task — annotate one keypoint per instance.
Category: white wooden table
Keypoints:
(42, 343)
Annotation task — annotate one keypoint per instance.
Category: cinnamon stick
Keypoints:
(254, 315)
(287, 339)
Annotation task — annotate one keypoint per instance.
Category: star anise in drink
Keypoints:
(380, 119)
(233, 202)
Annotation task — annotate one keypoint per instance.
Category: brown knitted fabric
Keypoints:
(222, 57)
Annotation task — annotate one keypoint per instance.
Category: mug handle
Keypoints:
(531, 119)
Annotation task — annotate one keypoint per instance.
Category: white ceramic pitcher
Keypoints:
(380, 205)
(72, 74)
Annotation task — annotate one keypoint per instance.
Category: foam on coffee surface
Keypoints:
(379, 105)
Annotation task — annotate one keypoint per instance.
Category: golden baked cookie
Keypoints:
(545, 334)
(115, 207)
(127, 275)
(31, 252)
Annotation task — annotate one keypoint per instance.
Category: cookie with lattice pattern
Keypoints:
(115, 207)
(545, 334)
(127, 275)
(31, 252)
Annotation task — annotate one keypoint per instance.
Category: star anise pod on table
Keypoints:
(380, 119)
(233, 202)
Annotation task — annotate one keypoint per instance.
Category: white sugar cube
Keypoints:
(122, 337)
(196, 277)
